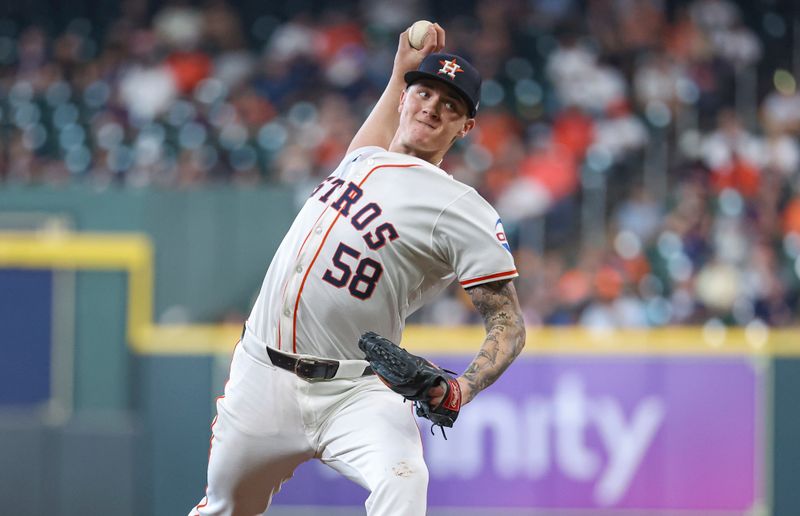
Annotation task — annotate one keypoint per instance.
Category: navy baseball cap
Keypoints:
(454, 71)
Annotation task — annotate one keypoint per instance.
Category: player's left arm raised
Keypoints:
(505, 337)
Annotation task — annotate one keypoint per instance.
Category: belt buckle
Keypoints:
(304, 368)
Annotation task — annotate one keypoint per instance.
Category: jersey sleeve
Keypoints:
(469, 236)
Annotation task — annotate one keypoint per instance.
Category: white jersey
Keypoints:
(386, 230)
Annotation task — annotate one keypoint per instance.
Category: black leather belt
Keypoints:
(308, 368)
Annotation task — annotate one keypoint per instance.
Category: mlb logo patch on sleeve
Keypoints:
(500, 234)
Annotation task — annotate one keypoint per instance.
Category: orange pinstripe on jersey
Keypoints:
(286, 283)
(499, 275)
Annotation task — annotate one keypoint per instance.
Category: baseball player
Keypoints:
(383, 234)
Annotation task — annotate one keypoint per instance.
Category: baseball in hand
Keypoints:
(418, 33)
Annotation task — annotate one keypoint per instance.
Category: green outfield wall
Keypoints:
(211, 251)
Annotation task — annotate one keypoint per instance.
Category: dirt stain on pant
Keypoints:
(402, 469)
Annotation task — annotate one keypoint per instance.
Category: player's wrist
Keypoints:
(398, 76)
(466, 390)
(406, 62)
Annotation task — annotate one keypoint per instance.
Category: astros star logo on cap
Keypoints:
(450, 68)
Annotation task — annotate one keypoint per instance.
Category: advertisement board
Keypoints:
(599, 432)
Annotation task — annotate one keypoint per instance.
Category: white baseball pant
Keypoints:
(270, 421)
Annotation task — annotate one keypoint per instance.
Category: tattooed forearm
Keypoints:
(505, 334)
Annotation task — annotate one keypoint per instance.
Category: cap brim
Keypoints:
(415, 75)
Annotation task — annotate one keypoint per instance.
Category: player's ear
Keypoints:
(468, 125)
(402, 99)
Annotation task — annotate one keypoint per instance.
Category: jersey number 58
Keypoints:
(362, 283)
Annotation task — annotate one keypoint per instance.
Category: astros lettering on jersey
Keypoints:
(387, 229)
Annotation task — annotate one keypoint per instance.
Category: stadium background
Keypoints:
(643, 155)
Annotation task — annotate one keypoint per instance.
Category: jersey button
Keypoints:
(318, 230)
(299, 269)
(287, 312)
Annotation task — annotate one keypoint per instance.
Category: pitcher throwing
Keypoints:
(387, 231)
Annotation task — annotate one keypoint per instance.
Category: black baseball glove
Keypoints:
(413, 377)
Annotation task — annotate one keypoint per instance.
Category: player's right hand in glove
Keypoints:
(415, 378)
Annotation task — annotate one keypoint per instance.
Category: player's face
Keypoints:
(432, 116)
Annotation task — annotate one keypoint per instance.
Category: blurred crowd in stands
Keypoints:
(642, 153)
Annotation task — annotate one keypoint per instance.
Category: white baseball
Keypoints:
(418, 33)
